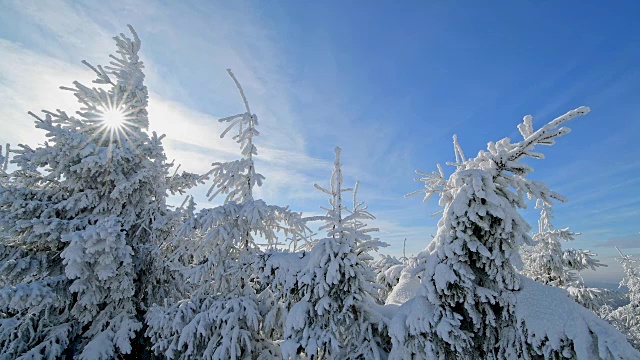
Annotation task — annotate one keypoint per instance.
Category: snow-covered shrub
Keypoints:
(334, 318)
(80, 217)
(466, 305)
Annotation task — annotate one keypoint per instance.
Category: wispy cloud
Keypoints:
(66, 29)
(29, 81)
(31, 78)
(611, 274)
(299, 126)
(630, 241)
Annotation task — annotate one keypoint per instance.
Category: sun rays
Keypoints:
(113, 119)
(116, 123)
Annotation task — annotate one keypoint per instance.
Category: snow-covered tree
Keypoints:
(334, 317)
(80, 214)
(360, 213)
(547, 263)
(388, 270)
(277, 274)
(467, 306)
(4, 159)
(4, 164)
(217, 250)
(627, 318)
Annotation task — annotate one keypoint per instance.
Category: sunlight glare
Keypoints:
(113, 119)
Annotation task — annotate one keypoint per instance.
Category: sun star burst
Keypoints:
(113, 119)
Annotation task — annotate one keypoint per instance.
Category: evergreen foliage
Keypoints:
(95, 265)
(82, 217)
(467, 305)
(388, 270)
(222, 316)
(627, 318)
(547, 263)
(334, 317)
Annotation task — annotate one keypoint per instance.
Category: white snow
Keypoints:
(89, 250)
(550, 319)
(406, 289)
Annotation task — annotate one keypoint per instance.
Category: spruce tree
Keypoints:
(547, 263)
(81, 217)
(627, 318)
(388, 270)
(216, 249)
(334, 319)
(468, 304)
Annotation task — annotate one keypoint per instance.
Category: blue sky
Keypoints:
(389, 84)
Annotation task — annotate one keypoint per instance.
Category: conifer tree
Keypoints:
(222, 316)
(4, 160)
(467, 304)
(547, 263)
(388, 270)
(81, 220)
(627, 318)
(334, 317)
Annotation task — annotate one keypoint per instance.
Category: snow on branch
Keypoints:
(237, 178)
(434, 183)
(4, 159)
(502, 160)
(246, 123)
(127, 96)
(546, 135)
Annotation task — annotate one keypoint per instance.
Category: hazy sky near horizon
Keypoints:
(389, 84)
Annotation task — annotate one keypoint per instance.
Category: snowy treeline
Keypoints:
(625, 318)
(95, 265)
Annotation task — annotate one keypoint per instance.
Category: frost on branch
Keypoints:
(334, 318)
(277, 278)
(237, 178)
(466, 305)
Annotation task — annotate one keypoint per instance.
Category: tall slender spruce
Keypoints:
(222, 316)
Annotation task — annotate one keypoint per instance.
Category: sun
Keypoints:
(113, 119)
